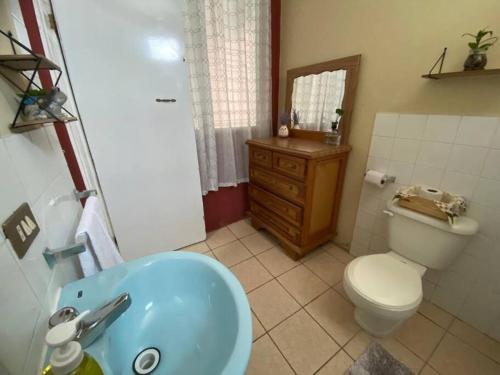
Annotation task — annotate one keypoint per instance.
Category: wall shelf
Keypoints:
(467, 73)
(13, 68)
(24, 126)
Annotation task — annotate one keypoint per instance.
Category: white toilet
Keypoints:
(387, 288)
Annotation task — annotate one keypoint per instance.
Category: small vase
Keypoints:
(283, 131)
(476, 60)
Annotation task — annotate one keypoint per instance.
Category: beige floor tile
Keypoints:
(242, 228)
(476, 339)
(312, 254)
(327, 268)
(266, 359)
(251, 274)
(276, 261)
(339, 253)
(210, 254)
(302, 284)
(257, 329)
(360, 342)
(338, 365)
(420, 335)
(428, 370)
(232, 253)
(272, 304)
(200, 247)
(436, 314)
(219, 237)
(453, 357)
(339, 288)
(335, 315)
(303, 343)
(258, 242)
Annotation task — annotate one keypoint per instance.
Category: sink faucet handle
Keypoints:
(65, 332)
(63, 315)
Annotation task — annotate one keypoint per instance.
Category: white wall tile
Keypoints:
(459, 183)
(495, 142)
(402, 171)
(364, 220)
(441, 128)
(385, 124)
(467, 159)
(19, 310)
(492, 165)
(487, 193)
(411, 126)
(426, 175)
(434, 154)
(377, 164)
(476, 131)
(381, 147)
(405, 150)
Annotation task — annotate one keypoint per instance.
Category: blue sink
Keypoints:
(188, 306)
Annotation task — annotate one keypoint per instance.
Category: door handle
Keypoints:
(160, 100)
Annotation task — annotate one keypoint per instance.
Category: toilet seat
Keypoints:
(385, 283)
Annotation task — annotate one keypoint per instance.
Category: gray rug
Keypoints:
(378, 361)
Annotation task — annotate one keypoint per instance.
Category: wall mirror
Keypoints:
(315, 92)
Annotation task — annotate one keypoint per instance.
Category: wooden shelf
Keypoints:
(24, 126)
(21, 63)
(467, 73)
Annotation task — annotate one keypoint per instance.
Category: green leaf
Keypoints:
(472, 45)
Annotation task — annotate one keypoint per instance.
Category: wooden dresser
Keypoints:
(295, 189)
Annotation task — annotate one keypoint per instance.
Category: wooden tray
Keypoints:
(423, 206)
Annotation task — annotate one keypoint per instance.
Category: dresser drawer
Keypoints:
(261, 157)
(289, 165)
(280, 185)
(281, 207)
(278, 224)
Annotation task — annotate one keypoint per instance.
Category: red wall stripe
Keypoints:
(30, 21)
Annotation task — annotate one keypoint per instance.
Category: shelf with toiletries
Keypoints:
(37, 106)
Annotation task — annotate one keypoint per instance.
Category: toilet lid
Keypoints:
(385, 281)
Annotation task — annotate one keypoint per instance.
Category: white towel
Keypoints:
(101, 251)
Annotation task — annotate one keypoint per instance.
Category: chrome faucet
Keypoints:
(95, 322)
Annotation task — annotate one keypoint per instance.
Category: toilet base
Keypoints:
(376, 325)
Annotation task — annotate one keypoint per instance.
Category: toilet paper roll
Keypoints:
(429, 192)
(375, 178)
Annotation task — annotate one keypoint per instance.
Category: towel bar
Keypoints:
(84, 194)
(51, 255)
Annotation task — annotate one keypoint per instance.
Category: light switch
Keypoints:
(21, 229)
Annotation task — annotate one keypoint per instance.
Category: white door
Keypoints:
(121, 57)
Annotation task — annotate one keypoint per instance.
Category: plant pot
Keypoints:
(476, 60)
(283, 131)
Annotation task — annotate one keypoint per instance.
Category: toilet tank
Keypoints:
(431, 242)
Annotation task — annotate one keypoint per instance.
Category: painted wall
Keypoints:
(456, 154)
(399, 41)
(33, 170)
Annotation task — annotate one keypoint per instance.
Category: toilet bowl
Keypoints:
(387, 288)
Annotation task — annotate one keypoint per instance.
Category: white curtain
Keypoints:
(316, 97)
(228, 52)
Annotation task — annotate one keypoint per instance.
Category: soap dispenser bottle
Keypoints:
(68, 358)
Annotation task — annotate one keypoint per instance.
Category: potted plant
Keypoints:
(295, 118)
(483, 40)
(335, 124)
(333, 137)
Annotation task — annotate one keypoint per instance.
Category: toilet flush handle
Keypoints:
(387, 212)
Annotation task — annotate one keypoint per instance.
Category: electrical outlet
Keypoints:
(21, 229)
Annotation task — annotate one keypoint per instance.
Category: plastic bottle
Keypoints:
(68, 358)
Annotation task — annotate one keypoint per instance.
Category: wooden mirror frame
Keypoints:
(351, 65)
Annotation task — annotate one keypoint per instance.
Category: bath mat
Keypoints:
(378, 361)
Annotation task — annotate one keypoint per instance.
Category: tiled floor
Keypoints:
(303, 321)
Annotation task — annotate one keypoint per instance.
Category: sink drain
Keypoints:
(146, 361)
